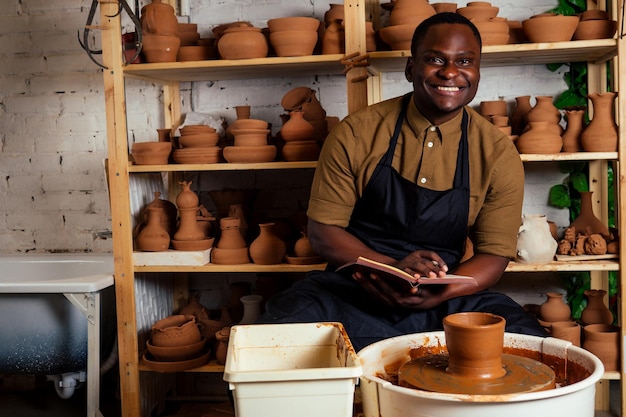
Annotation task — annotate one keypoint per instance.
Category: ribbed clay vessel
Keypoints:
(601, 134)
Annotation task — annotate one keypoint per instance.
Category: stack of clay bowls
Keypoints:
(549, 27)
(404, 18)
(198, 145)
(176, 344)
(250, 142)
(304, 99)
(493, 30)
(491, 108)
(595, 24)
(293, 36)
(190, 47)
(159, 26)
(299, 137)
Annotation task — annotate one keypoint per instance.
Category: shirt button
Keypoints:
(423, 180)
(433, 128)
(429, 144)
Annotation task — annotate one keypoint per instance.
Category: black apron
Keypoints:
(395, 216)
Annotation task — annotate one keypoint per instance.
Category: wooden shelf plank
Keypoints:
(569, 266)
(576, 156)
(212, 366)
(222, 166)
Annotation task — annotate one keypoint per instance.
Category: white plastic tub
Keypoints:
(382, 398)
(286, 370)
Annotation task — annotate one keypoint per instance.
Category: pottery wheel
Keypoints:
(522, 375)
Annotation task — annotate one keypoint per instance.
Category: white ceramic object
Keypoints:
(382, 398)
(535, 242)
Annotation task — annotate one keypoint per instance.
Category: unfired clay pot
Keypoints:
(539, 138)
(586, 220)
(168, 218)
(188, 228)
(297, 128)
(555, 308)
(267, 248)
(603, 341)
(543, 111)
(601, 133)
(176, 330)
(153, 237)
(566, 330)
(242, 43)
(334, 38)
(159, 18)
(572, 134)
(518, 116)
(187, 198)
(596, 312)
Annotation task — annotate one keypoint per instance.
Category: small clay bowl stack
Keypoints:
(549, 27)
(493, 30)
(151, 153)
(250, 141)
(478, 10)
(490, 108)
(403, 19)
(293, 36)
(198, 145)
(595, 24)
(176, 344)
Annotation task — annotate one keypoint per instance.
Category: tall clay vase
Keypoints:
(334, 38)
(475, 342)
(586, 219)
(297, 128)
(601, 133)
(539, 138)
(267, 248)
(573, 131)
(535, 243)
(543, 110)
(555, 308)
(188, 228)
(596, 312)
(251, 308)
(153, 237)
(603, 341)
(517, 119)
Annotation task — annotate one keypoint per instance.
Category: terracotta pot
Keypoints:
(475, 341)
(398, 37)
(236, 256)
(153, 237)
(160, 48)
(443, 7)
(490, 108)
(543, 111)
(176, 330)
(336, 11)
(267, 248)
(242, 43)
(230, 237)
(221, 351)
(410, 12)
(236, 210)
(302, 150)
(291, 23)
(334, 38)
(295, 98)
(303, 248)
(188, 228)
(169, 215)
(595, 29)
(573, 131)
(159, 18)
(478, 10)
(534, 240)
(517, 118)
(550, 28)
(493, 31)
(151, 153)
(555, 308)
(596, 312)
(540, 138)
(297, 128)
(187, 198)
(603, 341)
(250, 154)
(601, 133)
(370, 37)
(566, 330)
(293, 42)
(176, 353)
(586, 219)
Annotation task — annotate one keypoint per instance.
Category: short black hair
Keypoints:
(438, 19)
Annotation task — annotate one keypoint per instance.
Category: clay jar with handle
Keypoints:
(596, 312)
(267, 248)
(554, 308)
(153, 237)
(158, 18)
(603, 341)
(601, 133)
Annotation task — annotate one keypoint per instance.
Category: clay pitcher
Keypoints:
(573, 131)
(168, 218)
(153, 237)
(534, 240)
(267, 248)
(596, 312)
(586, 220)
(159, 18)
(601, 133)
(555, 308)
(603, 341)
(518, 116)
(539, 138)
(297, 128)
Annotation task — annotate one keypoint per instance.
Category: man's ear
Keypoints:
(408, 69)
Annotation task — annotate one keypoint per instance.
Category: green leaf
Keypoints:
(579, 181)
(559, 196)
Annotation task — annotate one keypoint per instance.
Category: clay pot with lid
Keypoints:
(242, 43)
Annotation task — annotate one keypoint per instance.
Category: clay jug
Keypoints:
(153, 237)
(251, 308)
(601, 133)
(335, 12)
(221, 350)
(230, 237)
(543, 110)
(555, 308)
(168, 218)
(571, 136)
(596, 312)
(566, 330)
(188, 227)
(187, 198)
(603, 341)
(334, 38)
(267, 248)
(517, 119)
(242, 43)
(534, 240)
(586, 219)
(297, 128)
(539, 139)
(159, 18)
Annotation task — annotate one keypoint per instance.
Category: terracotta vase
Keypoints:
(230, 237)
(160, 48)
(153, 237)
(303, 248)
(534, 240)
(555, 308)
(603, 341)
(336, 11)
(169, 215)
(297, 128)
(601, 133)
(188, 227)
(334, 38)
(543, 111)
(251, 308)
(586, 219)
(187, 198)
(566, 330)
(267, 248)
(159, 18)
(573, 131)
(410, 12)
(539, 138)
(221, 350)
(475, 342)
(596, 312)
(242, 43)
(517, 119)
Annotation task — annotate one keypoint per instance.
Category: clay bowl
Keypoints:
(493, 31)
(305, 150)
(176, 330)
(192, 129)
(398, 37)
(160, 48)
(193, 53)
(249, 124)
(248, 154)
(199, 140)
(295, 98)
(445, 7)
(293, 42)
(209, 155)
(283, 24)
(490, 108)
(594, 15)
(234, 256)
(189, 245)
(151, 153)
(550, 28)
(176, 353)
(595, 29)
(474, 10)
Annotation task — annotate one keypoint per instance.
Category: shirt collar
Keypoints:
(419, 124)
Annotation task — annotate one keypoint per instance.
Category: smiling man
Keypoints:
(406, 182)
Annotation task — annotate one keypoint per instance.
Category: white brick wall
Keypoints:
(53, 194)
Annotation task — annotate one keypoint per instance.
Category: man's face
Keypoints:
(445, 71)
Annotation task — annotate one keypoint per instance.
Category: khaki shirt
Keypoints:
(426, 155)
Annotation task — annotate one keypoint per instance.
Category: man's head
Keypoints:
(445, 66)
